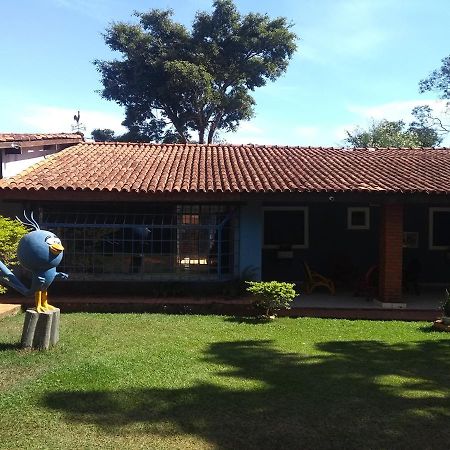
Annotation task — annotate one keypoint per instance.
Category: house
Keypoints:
(142, 212)
(19, 151)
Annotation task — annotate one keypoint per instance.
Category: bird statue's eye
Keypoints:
(52, 240)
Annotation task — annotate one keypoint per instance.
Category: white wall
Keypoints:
(13, 164)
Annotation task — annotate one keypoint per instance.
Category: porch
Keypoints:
(345, 305)
(429, 299)
(388, 250)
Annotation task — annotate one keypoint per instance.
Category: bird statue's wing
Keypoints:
(7, 277)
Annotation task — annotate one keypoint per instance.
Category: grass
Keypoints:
(209, 382)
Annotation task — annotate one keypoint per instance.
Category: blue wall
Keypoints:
(434, 264)
(334, 250)
(250, 238)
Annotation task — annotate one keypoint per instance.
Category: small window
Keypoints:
(439, 228)
(358, 218)
(286, 227)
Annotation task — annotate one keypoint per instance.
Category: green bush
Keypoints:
(272, 295)
(11, 231)
(446, 304)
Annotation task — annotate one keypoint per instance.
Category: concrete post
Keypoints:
(40, 330)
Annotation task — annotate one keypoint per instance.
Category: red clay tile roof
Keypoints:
(25, 137)
(151, 168)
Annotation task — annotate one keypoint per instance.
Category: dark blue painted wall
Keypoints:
(333, 250)
(434, 264)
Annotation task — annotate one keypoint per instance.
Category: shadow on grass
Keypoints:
(429, 329)
(4, 346)
(249, 320)
(355, 395)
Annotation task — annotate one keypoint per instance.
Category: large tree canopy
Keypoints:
(385, 133)
(438, 81)
(196, 80)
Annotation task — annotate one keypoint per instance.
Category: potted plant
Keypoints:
(271, 296)
(446, 308)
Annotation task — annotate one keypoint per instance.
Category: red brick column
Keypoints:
(391, 253)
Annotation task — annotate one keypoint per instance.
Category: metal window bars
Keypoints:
(183, 242)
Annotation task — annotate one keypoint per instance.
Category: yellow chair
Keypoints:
(314, 280)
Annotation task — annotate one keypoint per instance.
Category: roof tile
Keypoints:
(151, 168)
(27, 137)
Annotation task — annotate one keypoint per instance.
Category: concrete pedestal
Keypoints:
(40, 330)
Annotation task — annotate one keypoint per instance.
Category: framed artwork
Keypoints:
(410, 239)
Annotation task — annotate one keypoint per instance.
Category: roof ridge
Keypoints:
(262, 146)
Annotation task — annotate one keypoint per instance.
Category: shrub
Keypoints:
(11, 231)
(446, 304)
(272, 295)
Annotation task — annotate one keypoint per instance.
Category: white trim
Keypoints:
(305, 210)
(431, 212)
(365, 210)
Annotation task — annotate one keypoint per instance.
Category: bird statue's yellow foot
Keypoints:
(45, 304)
(38, 301)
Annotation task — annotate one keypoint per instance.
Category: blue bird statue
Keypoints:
(40, 252)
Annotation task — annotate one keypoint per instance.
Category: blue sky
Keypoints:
(357, 60)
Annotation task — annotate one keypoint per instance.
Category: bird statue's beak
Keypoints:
(56, 249)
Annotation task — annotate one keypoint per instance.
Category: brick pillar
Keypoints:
(391, 253)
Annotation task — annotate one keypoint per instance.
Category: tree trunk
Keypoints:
(201, 136)
(179, 129)
(213, 127)
(210, 136)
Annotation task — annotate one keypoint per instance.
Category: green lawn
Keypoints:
(202, 382)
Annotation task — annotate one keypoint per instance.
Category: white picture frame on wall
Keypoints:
(410, 239)
(354, 215)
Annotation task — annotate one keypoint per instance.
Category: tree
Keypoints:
(103, 135)
(134, 134)
(11, 231)
(386, 133)
(194, 80)
(439, 81)
(424, 129)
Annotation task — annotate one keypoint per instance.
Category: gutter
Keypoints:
(19, 145)
(10, 145)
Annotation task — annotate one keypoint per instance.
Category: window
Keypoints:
(286, 227)
(439, 228)
(358, 218)
(153, 242)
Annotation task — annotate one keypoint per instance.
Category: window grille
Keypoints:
(196, 242)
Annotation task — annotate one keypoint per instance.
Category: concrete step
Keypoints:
(8, 310)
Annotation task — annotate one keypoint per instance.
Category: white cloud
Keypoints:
(247, 133)
(53, 119)
(339, 133)
(397, 110)
(248, 127)
(306, 134)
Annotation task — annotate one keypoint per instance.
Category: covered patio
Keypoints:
(429, 299)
